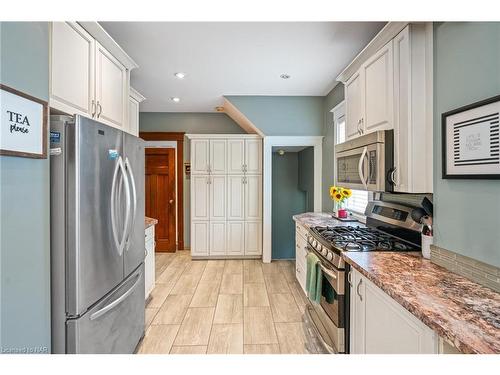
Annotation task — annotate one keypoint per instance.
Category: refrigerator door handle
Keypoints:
(127, 205)
(134, 201)
(117, 301)
(113, 208)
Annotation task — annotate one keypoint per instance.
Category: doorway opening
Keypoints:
(292, 194)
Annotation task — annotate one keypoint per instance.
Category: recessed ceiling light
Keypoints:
(285, 76)
(180, 75)
(175, 99)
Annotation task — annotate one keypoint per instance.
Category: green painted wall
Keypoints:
(466, 70)
(287, 200)
(306, 176)
(333, 98)
(24, 202)
(283, 115)
(195, 123)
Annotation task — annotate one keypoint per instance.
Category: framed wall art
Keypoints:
(470, 141)
(23, 124)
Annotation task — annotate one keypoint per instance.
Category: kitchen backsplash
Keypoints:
(481, 273)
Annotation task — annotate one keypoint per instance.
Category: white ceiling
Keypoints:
(228, 58)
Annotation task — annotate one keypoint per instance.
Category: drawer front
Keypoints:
(301, 230)
(300, 251)
(300, 274)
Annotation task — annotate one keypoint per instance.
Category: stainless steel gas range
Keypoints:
(389, 227)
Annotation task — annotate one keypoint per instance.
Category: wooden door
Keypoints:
(160, 195)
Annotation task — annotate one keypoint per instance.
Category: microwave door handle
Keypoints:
(360, 167)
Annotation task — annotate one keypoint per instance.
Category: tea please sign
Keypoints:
(23, 124)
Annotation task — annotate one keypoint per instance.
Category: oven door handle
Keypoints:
(325, 269)
(360, 166)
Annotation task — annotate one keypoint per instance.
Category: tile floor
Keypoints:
(224, 307)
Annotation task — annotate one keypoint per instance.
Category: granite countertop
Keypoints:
(461, 311)
(148, 221)
(312, 219)
(457, 309)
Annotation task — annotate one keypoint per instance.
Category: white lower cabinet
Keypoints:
(235, 238)
(149, 260)
(217, 238)
(379, 325)
(253, 238)
(300, 255)
(200, 238)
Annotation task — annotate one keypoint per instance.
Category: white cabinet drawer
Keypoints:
(301, 230)
(300, 251)
(300, 274)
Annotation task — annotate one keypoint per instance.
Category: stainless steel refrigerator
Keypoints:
(97, 237)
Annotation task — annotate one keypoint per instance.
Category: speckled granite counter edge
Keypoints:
(148, 221)
(416, 310)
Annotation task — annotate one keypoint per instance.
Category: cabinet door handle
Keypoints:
(349, 277)
(99, 108)
(93, 108)
(357, 290)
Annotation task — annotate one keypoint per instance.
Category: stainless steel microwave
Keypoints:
(367, 162)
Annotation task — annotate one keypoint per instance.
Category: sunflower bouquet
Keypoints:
(339, 195)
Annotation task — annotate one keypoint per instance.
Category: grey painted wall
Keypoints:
(466, 70)
(306, 176)
(283, 115)
(333, 98)
(287, 200)
(24, 201)
(196, 123)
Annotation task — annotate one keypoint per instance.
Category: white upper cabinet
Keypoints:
(72, 69)
(253, 156)
(253, 197)
(378, 95)
(217, 164)
(133, 111)
(235, 197)
(111, 89)
(86, 77)
(413, 123)
(218, 197)
(235, 156)
(390, 86)
(200, 156)
(354, 105)
(200, 197)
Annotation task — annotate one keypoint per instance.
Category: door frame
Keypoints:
(269, 143)
(179, 156)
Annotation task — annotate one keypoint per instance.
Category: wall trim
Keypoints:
(238, 117)
(269, 143)
(179, 155)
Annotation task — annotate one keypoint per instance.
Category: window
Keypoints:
(339, 123)
(358, 201)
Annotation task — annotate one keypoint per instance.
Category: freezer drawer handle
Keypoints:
(117, 301)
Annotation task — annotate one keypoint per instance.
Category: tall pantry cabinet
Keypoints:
(226, 195)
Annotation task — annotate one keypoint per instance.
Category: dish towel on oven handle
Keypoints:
(314, 278)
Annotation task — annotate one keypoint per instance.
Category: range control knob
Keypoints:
(319, 247)
(329, 256)
(324, 251)
(315, 243)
